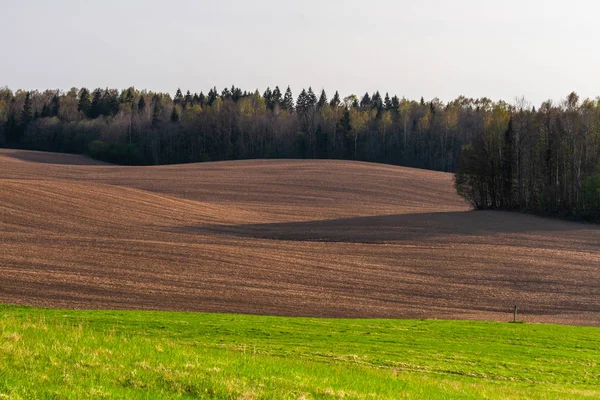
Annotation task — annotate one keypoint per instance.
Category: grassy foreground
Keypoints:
(153, 355)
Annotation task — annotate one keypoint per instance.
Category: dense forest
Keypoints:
(505, 156)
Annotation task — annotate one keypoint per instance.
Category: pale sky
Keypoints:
(540, 49)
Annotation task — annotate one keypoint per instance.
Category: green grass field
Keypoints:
(153, 355)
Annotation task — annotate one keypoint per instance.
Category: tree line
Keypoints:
(545, 161)
(141, 127)
(505, 156)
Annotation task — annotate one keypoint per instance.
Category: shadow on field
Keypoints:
(400, 227)
(53, 158)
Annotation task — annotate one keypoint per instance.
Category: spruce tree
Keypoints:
(195, 99)
(376, 101)
(335, 101)
(236, 93)
(178, 97)
(366, 101)
(311, 98)
(84, 104)
(302, 102)
(212, 96)
(322, 100)
(202, 99)
(288, 101)
(268, 96)
(187, 99)
(396, 103)
(387, 103)
(225, 94)
(110, 102)
(276, 97)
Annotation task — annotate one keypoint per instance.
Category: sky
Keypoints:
(539, 49)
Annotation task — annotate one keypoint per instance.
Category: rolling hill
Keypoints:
(282, 237)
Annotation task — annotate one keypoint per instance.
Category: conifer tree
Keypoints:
(195, 99)
(225, 94)
(322, 100)
(84, 104)
(387, 103)
(396, 103)
(236, 93)
(302, 102)
(366, 101)
(376, 101)
(268, 96)
(187, 99)
(288, 101)
(212, 96)
(178, 97)
(335, 101)
(311, 98)
(276, 97)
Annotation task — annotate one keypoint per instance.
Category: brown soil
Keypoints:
(285, 237)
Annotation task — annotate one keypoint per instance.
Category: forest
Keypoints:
(504, 156)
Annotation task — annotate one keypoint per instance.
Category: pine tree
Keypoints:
(311, 98)
(335, 101)
(268, 96)
(236, 93)
(387, 103)
(376, 101)
(187, 99)
(288, 101)
(396, 104)
(202, 99)
(178, 97)
(85, 104)
(302, 102)
(366, 101)
(212, 96)
(322, 100)
(225, 94)
(195, 99)
(110, 102)
(276, 97)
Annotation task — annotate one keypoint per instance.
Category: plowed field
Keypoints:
(282, 237)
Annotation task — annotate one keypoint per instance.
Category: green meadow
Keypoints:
(58, 354)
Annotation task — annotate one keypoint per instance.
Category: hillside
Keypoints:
(282, 237)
